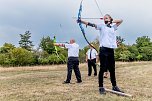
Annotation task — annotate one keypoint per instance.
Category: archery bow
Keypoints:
(56, 52)
(81, 27)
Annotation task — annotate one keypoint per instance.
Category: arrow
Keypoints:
(62, 42)
(87, 18)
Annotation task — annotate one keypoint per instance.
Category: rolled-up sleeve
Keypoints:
(115, 27)
(98, 27)
(68, 45)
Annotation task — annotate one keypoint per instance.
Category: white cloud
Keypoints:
(44, 17)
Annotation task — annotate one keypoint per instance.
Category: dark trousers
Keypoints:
(73, 63)
(107, 62)
(92, 63)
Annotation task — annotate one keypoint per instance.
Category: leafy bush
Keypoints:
(57, 59)
(21, 57)
(52, 59)
(43, 61)
(3, 59)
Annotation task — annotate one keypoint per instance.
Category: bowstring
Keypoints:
(98, 7)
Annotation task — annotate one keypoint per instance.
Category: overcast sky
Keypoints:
(54, 17)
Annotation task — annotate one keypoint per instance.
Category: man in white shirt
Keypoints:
(73, 60)
(91, 58)
(107, 42)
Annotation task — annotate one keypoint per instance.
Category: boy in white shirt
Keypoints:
(91, 59)
(107, 42)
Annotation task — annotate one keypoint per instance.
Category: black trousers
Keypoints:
(73, 63)
(92, 63)
(107, 62)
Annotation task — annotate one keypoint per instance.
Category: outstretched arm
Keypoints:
(61, 45)
(87, 23)
(118, 21)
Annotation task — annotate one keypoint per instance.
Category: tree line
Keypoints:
(47, 54)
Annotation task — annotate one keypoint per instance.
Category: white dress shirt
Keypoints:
(93, 54)
(107, 36)
(73, 50)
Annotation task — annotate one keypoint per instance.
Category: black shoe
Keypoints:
(79, 81)
(102, 90)
(115, 88)
(66, 82)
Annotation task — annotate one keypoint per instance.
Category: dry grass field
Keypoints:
(44, 83)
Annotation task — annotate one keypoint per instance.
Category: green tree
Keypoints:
(125, 55)
(46, 44)
(144, 46)
(139, 57)
(122, 53)
(21, 57)
(6, 48)
(146, 53)
(25, 41)
(134, 53)
(143, 41)
(58, 54)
